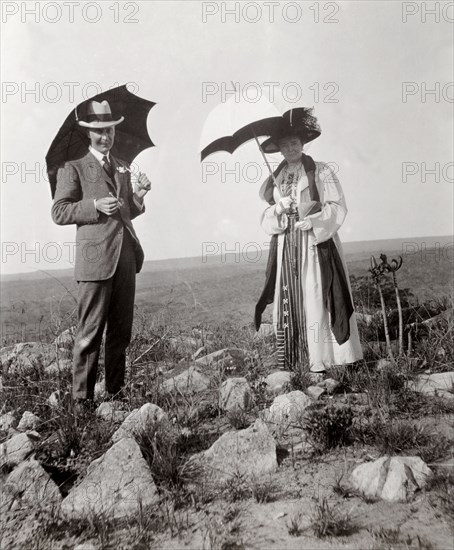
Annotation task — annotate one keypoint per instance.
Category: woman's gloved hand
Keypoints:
(283, 205)
(304, 225)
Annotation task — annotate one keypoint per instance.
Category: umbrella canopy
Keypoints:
(131, 136)
(233, 123)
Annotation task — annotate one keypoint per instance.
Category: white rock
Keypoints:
(140, 421)
(330, 384)
(227, 355)
(111, 412)
(117, 484)
(266, 330)
(250, 453)
(7, 421)
(288, 408)
(196, 354)
(16, 449)
(367, 318)
(315, 392)
(66, 338)
(384, 364)
(440, 383)
(33, 485)
(59, 366)
(59, 399)
(26, 357)
(189, 381)
(235, 394)
(29, 421)
(394, 479)
(278, 381)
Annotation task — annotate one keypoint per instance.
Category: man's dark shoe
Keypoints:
(118, 396)
(84, 406)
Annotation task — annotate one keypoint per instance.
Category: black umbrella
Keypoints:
(229, 144)
(131, 136)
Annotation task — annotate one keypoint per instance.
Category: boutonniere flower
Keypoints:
(121, 169)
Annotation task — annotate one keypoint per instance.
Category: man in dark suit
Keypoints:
(95, 193)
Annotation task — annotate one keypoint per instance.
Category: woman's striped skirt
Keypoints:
(291, 328)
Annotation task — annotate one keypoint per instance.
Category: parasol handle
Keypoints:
(267, 163)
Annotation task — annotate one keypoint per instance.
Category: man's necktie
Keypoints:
(107, 167)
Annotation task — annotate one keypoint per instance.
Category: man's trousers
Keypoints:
(105, 304)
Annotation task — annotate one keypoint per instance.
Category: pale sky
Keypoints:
(362, 61)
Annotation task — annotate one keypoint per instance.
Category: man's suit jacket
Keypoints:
(99, 237)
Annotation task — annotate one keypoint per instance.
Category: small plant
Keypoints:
(441, 485)
(169, 467)
(327, 521)
(385, 535)
(236, 488)
(295, 526)
(262, 491)
(392, 267)
(300, 380)
(398, 436)
(223, 533)
(328, 426)
(377, 272)
(343, 490)
(238, 419)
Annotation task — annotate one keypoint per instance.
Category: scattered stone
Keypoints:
(29, 421)
(63, 364)
(66, 338)
(140, 421)
(235, 394)
(316, 377)
(394, 479)
(358, 398)
(447, 315)
(59, 399)
(288, 408)
(440, 383)
(384, 364)
(182, 344)
(118, 484)
(280, 515)
(7, 421)
(16, 449)
(111, 412)
(198, 352)
(366, 318)
(33, 485)
(315, 392)
(379, 348)
(26, 357)
(229, 356)
(330, 384)
(266, 330)
(189, 381)
(250, 453)
(278, 382)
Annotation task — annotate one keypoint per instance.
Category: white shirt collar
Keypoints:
(98, 155)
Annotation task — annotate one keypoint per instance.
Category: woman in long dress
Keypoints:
(313, 312)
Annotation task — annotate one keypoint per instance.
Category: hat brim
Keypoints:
(270, 145)
(101, 124)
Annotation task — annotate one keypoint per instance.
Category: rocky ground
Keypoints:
(215, 448)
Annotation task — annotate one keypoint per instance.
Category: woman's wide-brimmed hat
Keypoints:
(98, 115)
(298, 122)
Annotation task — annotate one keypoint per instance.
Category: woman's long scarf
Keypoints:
(336, 294)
